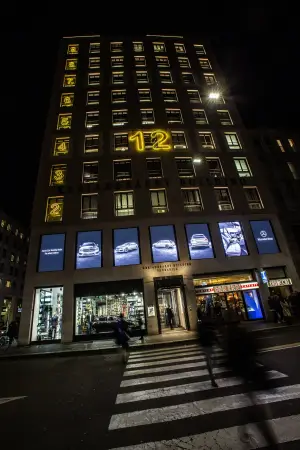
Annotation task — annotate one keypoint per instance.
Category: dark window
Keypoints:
(214, 167)
(122, 170)
(188, 77)
(121, 142)
(89, 206)
(185, 167)
(91, 144)
(90, 172)
(154, 168)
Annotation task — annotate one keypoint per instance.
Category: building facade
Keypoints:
(149, 196)
(14, 242)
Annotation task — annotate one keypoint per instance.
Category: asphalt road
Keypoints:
(89, 402)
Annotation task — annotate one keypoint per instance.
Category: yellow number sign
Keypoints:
(157, 140)
(64, 121)
(69, 81)
(67, 100)
(61, 146)
(71, 64)
(54, 210)
(58, 175)
(73, 49)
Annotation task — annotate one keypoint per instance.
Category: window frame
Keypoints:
(179, 45)
(224, 202)
(179, 133)
(98, 47)
(116, 193)
(93, 102)
(87, 136)
(155, 209)
(89, 114)
(61, 202)
(205, 63)
(54, 167)
(138, 43)
(147, 121)
(149, 160)
(121, 92)
(170, 77)
(257, 195)
(119, 62)
(137, 61)
(181, 171)
(90, 163)
(215, 158)
(90, 75)
(188, 73)
(122, 161)
(158, 50)
(193, 100)
(182, 60)
(159, 61)
(116, 81)
(92, 66)
(200, 120)
(173, 121)
(193, 204)
(123, 134)
(91, 195)
(116, 111)
(117, 49)
(224, 122)
(199, 49)
(247, 173)
(237, 147)
(166, 100)
(141, 100)
(140, 80)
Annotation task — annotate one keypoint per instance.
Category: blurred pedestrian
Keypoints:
(142, 329)
(170, 317)
(12, 332)
(122, 336)
(207, 339)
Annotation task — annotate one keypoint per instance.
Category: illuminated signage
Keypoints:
(61, 146)
(126, 247)
(199, 241)
(58, 175)
(227, 288)
(264, 237)
(67, 100)
(73, 49)
(89, 249)
(71, 64)
(163, 244)
(233, 238)
(64, 121)
(156, 140)
(69, 80)
(52, 250)
(280, 282)
(55, 206)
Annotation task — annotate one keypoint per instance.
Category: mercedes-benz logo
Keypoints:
(263, 233)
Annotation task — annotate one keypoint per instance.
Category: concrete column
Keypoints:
(26, 316)
(68, 315)
(191, 302)
(149, 299)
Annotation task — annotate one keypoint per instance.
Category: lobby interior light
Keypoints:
(214, 95)
(197, 160)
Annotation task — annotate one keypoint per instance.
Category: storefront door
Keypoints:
(236, 305)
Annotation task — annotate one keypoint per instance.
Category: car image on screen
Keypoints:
(198, 241)
(165, 243)
(164, 250)
(88, 249)
(126, 247)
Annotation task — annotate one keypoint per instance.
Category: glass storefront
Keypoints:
(97, 315)
(47, 317)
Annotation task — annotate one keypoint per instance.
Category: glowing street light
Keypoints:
(197, 160)
(214, 95)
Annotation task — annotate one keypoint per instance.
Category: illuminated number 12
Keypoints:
(140, 141)
(160, 137)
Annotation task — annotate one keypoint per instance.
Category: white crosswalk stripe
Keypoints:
(156, 390)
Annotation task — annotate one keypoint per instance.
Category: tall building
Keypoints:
(14, 242)
(149, 196)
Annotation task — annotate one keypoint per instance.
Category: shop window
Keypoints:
(90, 172)
(89, 206)
(233, 239)
(66, 100)
(54, 209)
(93, 79)
(47, 317)
(89, 249)
(64, 121)
(122, 170)
(124, 204)
(199, 241)
(121, 142)
(98, 315)
(61, 146)
(51, 253)
(69, 81)
(163, 244)
(126, 247)
(73, 49)
(91, 143)
(158, 199)
(58, 174)
(71, 64)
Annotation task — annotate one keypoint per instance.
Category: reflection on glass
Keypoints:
(233, 239)
(126, 247)
(88, 253)
(47, 316)
(199, 241)
(52, 252)
(164, 248)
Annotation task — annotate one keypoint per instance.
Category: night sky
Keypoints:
(257, 49)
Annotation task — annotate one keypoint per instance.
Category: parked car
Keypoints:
(88, 249)
(199, 240)
(164, 243)
(126, 247)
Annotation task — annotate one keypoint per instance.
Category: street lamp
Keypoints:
(214, 95)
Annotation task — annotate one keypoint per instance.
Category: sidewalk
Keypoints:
(108, 346)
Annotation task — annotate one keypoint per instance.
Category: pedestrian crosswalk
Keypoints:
(166, 401)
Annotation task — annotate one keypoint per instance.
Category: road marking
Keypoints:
(171, 355)
(279, 347)
(182, 389)
(199, 408)
(165, 349)
(286, 429)
(10, 399)
(170, 368)
(160, 363)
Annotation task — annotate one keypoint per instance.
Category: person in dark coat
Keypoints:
(170, 317)
(12, 332)
(122, 336)
(207, 339)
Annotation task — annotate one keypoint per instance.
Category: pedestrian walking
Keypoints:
(170, 317)
(142, 329)
(12, 332)
(122, 337)
(207, 339)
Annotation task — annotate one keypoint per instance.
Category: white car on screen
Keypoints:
(199, 240)
(88, 249)
(164, 243)
(126, 247)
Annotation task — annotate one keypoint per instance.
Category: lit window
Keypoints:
(233, 141)
(147, 116)
(224, 117)
(95, 47)
(90, 172)
(165, 77)
(162, 61)
(117, 78)
(204, 63)
(188, 77)
(122, 170)
(124, 205)
(93, 79)
(292, 145)
(184, 62)
(73, 49)
(144, 95)
(118, 96)
(61, 146)
(142, 77)
(200, 116)
(158, 201)
(210, 79)
(116, 47)
(185, 167)
(138, 47)
(94, 63)
(54, 209)
(119, 117)
(117, 61)
(154, 168)
(194, 96)
(170, 95)
(71, 64)
(178, 139)
(242, 167)
(191, 199)
(223, 199)
(121, 142)
(253, 197)
(179, 48)
(199, 49)
(89, 206)
(293, 170)
(279, 143)
(207, 140)
(215, 169)
(140, 61)
(92, 97)
(92, 119)
(159, 47)
(8, 283)
(58, 174)
(66, 100)
(64, 121)
(91, 143)
(12, 257)
(69, 81)
(174, 116)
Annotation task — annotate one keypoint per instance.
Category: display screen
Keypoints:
(52, 251)
(89, 248)
(233, 238)
(199, 241)
(253, 305)
(126, 247)
(163, 244)
(264, 236)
